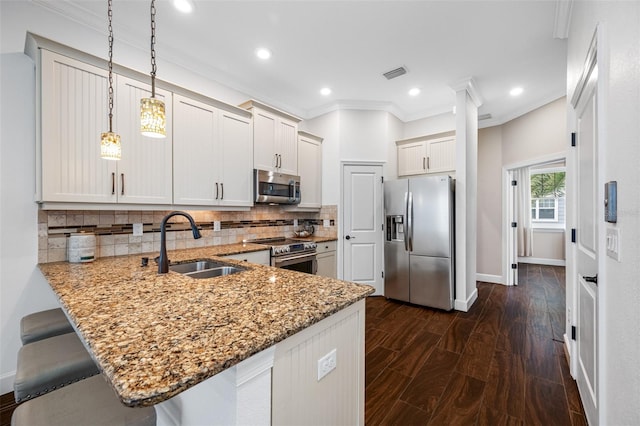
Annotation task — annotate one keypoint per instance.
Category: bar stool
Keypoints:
(49, 364)
(87, 402)
(40, 325)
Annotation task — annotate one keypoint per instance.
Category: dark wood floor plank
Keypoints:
(540, 358)
(402, 333)
(373, 338)
(512, 337)
(455, 339)
(460, 404)
(411, 359)
(505, 391)
(381, 395)
(570, 387)
(546, 403)
(491, 319)
(375, 362)
(477, 356)
(440, 322)
(425, 390)
(403, 414)
(492, 417)
(578, 419)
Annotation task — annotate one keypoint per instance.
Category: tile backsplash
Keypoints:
(114, 229)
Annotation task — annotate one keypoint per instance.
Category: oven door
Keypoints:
(306, 263)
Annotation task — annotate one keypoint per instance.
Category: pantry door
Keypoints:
(361, 237)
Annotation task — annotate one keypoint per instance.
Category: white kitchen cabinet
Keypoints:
(327, 262)
(73, 111)
(426, 155)
(212, 156)
(262, 257)
(310, 170)
(144, 173)
(73, 108)
(275, 138)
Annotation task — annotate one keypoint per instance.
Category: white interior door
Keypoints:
(586, 175)
(362, 229)
(512, 274)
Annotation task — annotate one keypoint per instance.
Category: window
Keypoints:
(547, 196)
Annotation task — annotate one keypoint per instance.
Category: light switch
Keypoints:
(613, 243)
(137, 229)
(216, 225)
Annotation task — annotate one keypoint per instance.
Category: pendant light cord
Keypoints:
(110, 14)
(153, 49)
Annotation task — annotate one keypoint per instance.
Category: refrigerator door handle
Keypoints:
(406, 215)
(410, 220)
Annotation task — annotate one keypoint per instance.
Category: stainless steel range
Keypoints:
(296, 255)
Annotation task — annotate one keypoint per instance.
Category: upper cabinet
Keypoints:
(427, 154)
(275, 138)
(212, 155)
(310, 170)
(73, 108)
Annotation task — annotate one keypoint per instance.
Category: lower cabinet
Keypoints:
(327, 262)
(260, 257)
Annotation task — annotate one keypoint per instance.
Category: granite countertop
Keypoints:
(155, 336)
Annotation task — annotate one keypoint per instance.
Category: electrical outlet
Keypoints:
(216, 225)
(137, 229)
(327, 364)
(295, 222)
(326, 223)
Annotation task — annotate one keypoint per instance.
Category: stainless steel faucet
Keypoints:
(163, 261)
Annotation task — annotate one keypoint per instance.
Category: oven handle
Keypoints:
(287, 260)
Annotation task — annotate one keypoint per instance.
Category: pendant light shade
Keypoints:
(152, 117)
(110, 148)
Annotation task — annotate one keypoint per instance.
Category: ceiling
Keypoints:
(348, 45)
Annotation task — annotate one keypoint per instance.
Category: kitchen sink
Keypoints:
(205, 269)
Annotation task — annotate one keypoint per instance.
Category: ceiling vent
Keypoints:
(484, 117)
(395, 73)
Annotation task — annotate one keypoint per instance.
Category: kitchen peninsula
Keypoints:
(216, 350)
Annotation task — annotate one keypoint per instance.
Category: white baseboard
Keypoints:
(488, 278)
(6, 382)
(464, 305)
(541, 261)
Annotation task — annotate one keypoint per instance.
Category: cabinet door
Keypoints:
(287, 147)
(195, 159)
(236, 159)
(264, 139)
(442, 155)
(145, 171)
(74, 99)
(327, 266)
(412, 159)
(310, 169)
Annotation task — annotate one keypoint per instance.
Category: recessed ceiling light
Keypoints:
(263, 53)
(325, 91)
(184, 6)
(414, 92)
(516, 91)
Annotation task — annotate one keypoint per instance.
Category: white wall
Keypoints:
(430, 125)
(23, 289)
(620, 293)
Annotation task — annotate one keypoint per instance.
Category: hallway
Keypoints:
(501, 363)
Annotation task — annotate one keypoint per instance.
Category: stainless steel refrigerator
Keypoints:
(419, 241)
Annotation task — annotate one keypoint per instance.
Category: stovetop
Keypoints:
(281, 246)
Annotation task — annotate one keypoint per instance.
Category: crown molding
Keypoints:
(469, 85)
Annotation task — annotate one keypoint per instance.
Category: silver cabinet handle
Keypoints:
(222, 191)
(275, 156)
(428, 163)
(113, 184)
(122, 181)
(216, 190)
(424, 163)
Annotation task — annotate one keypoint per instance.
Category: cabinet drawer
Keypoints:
(326, 246)
(259, 257)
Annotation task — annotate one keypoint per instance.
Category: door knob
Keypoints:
(593, 279)
(348, 237)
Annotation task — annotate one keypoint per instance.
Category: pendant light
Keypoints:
(110, 148)
(152, 118)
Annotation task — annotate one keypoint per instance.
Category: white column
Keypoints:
(467, 103)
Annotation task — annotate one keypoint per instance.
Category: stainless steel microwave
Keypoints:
(276, 188)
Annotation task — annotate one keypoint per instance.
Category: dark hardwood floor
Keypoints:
(501, 363)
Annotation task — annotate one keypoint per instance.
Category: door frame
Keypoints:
(597, 55)
(340, 245)
(507, 209)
